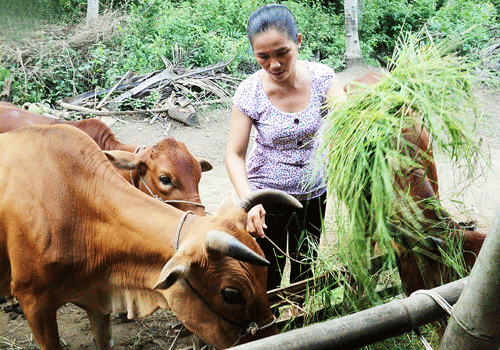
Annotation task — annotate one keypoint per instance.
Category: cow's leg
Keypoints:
(101, 328)
(41, 318)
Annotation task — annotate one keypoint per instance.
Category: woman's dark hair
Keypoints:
(272, 16)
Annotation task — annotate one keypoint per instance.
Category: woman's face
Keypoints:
(276, 53)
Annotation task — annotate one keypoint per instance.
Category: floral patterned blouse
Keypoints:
(283, 153)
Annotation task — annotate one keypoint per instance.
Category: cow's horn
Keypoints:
(230, 246)
(265, 196)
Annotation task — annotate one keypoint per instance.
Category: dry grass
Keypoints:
(8, 343)
(26, 38)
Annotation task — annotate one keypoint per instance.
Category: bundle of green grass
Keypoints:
(362, 141)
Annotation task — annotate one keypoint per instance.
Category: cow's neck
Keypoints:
(108, 142)
(102, 135)
(138, 236)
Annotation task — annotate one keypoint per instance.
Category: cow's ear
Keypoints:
(171, 273)
(142, 167)
(122, 159)
(205, 164)
(434, 242)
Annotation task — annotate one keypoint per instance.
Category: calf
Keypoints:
(422, 266)
(166, 171)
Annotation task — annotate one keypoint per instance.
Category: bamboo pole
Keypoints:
(366, 327)
(475, 321)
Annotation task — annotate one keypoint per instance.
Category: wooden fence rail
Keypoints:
(365, 327)
(296, 293)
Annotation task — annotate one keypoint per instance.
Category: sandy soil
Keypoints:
(479, 202)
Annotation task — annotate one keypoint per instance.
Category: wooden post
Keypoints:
(352, 54)
(475, 321)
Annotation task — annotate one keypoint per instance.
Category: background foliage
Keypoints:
(200, 33)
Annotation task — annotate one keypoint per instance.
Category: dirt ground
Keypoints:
(207, 140)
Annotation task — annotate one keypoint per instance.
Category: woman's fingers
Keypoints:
(256, 221)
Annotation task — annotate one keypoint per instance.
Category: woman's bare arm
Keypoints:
(236, 150)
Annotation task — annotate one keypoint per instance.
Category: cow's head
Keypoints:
(216, 281)
(360, 83)
(422, 264)
(167, 171)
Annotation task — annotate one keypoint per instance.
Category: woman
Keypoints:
(284, 102)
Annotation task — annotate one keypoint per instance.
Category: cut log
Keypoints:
(186, 115)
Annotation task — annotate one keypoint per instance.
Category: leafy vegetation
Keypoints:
(205, 32)
(459, 16)
(384, 22)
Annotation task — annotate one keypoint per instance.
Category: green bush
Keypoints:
(383, 22)
(459, 16)
(207, 31)
(204, 32)
(496, 3)
(323, 33)
(211, 31)
(48, 10)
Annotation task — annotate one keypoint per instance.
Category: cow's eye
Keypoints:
(233, 296)
(166, 180)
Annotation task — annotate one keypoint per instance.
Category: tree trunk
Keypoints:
(353, 51)
(92, 11)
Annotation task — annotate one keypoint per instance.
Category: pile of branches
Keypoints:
(175, 91)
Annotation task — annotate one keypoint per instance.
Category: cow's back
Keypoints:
(12, 117)
(40, 148)
(43, 183)
(100, 133)
(53, 164)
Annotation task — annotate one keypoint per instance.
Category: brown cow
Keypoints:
(420, 182)
(73, 230)
(423, 268)
(166, 171)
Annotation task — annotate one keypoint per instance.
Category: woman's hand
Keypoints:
(256, 223)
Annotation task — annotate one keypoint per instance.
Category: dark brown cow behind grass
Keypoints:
(417, 270)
